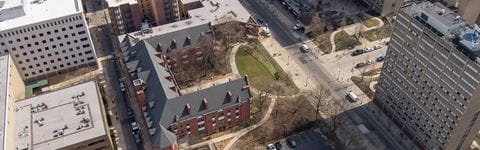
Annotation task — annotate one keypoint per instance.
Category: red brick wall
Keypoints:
(220, 125)
(176, 57)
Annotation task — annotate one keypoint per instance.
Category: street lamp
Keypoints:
(288, 60)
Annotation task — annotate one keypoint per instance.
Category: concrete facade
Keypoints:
(42, 48)
(430, 83)
(385, 7)
(11, 89)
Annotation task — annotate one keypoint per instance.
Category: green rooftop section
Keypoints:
(31, 86)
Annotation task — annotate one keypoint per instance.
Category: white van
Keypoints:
(352, 96)
(267, 31)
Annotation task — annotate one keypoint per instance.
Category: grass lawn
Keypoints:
(343, 41)
(377, 34)
(256, 71)
(323, 42)
(263, 71)
(371, 22)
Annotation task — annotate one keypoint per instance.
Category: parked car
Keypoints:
(369, 50)
(352, 96)
(259, 21)
(298, 26)
(136, 137)
(360, 65)
(278, 145)
(122, 87)
(134, 126)
(130, 113)
(377, 47)
(369, 62)
(271, 147)
(380, 58)
(266, 30)
(291, 143)
(304, 48)
(358, 52)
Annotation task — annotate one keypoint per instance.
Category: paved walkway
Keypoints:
(233, 63)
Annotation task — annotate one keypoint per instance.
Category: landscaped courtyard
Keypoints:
(344, 41)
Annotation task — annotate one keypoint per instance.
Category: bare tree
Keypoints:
(330, 108)
(229, 31)
(317, 25)
(320, 96)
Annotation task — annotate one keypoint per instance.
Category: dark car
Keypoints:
(358, 52)
(291, 143)
(360, 65)
(278, 145)
(260, 21)
(380, 58)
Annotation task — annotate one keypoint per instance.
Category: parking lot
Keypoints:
(307, 140)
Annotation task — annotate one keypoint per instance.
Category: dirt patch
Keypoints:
(289, 116)
(372, 72)
(323, 42)
(221, 145)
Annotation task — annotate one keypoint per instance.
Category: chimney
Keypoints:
(189, 109)
(188, 40)
(246, 87)
(173, 88)
(205, 103)
(160, 48)
(173, 44)
(246, 80)
(230, 96)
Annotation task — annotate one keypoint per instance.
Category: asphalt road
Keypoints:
(282, 34)
(112, 82)
(319, 74)
(102, 39)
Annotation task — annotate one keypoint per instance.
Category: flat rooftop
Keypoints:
(448, 25)
(214, 10)
(115, 3)
(167, 28)
(3, 97)
(35, 11)
(60, 118)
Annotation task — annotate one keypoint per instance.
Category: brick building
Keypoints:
(169, 114)
(176, 45)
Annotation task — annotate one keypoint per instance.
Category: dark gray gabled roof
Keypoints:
(145, 65)
(165, 137)
(216, 96)
(180, 36)
(165, 101)
(164, 112)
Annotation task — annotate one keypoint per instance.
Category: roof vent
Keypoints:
(205, 103)
(189, 109)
